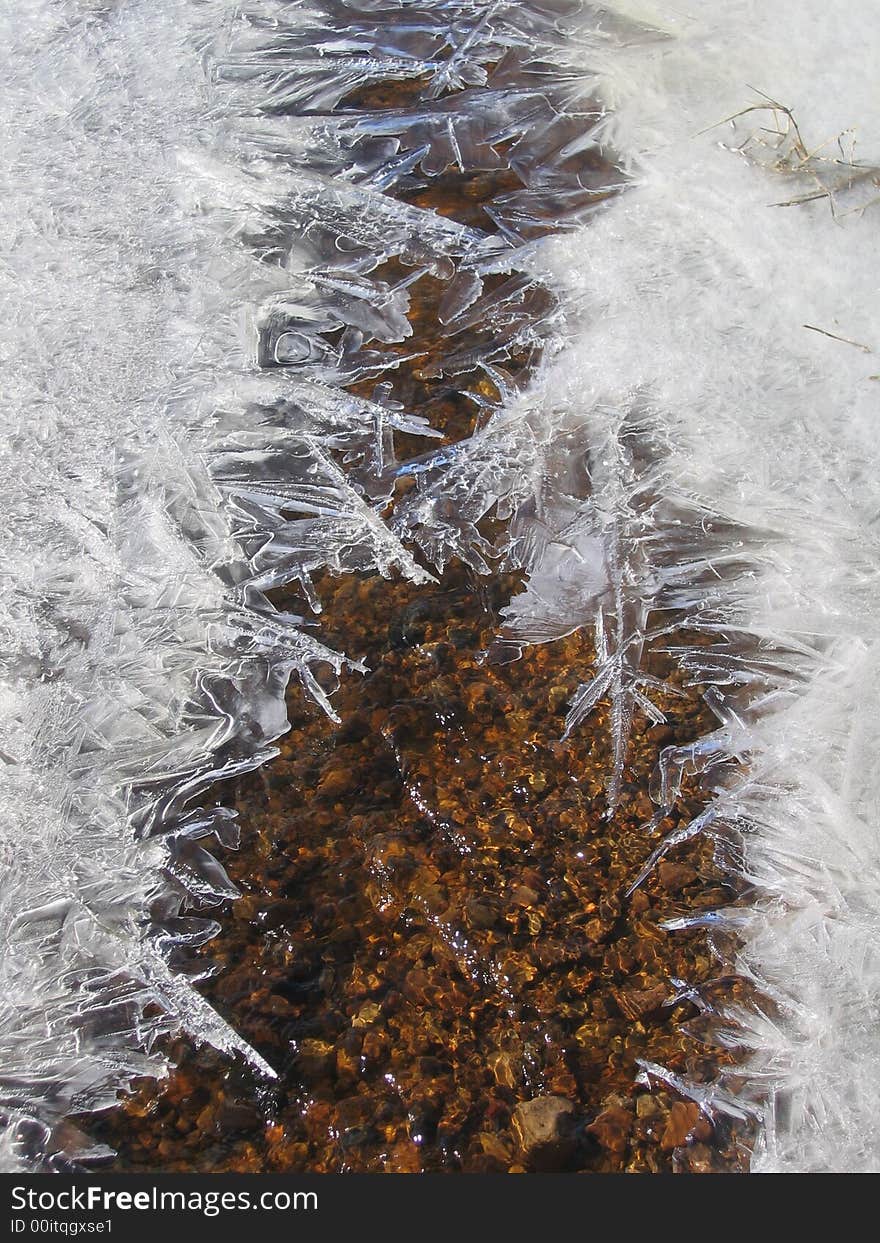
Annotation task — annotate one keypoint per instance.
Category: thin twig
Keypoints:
(866, 349)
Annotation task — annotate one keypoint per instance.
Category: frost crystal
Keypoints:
(197, 256)
(733, 288)
(199, 250)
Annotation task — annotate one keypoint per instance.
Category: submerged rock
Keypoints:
(545, 1130)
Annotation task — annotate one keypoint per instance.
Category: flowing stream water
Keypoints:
(435, 942)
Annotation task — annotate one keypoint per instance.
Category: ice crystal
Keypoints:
(733, 286)
(199, 251)
(200, 248)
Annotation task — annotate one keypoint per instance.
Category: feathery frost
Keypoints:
(197, 256)
(734, 289)
(200, 250)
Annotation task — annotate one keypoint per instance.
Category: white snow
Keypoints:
(702, 299)
(140, 661)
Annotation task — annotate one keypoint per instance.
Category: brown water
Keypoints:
(434, 948)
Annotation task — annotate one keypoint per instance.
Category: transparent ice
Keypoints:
(196, 255)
